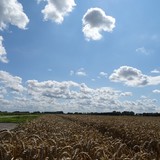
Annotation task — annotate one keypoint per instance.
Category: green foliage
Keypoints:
(16, 118)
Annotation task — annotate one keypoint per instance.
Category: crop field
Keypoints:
(83, 137)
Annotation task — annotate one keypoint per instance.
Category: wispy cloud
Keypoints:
(155, 71)
(71, 73)
(79, 72)
(126, 94)
(103, 75)
(95, 21)
(133, 77)
(156, 91)
(93, 80)
(56, 10)
(144, 51)
(50, 69)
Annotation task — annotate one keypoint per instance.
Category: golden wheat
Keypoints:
(73, 137)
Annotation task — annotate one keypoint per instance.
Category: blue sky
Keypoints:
(94, 55)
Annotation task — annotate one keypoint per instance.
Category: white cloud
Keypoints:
(133, 77)
(95, 21)
(11, 12)
(126, 94)
(156, 91)
(55, 10)
(141, 105)
(129, 76)
(155, 71)
(68, 96)
(13, 83)
(3, 53)
(51, 89)
(143, 50)
(154, 80)
(143, 97)
(80, 72)
(3, 92)
(103, 74)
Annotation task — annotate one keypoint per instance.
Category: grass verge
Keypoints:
(17, 118)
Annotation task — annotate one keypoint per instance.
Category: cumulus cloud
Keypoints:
(13, 83)
(95, 21)
(141, 105)
(68, 96)
(11, 12)
(3, 53)
(52, 89)
(133, 77)
(129, 76)
(55, 10)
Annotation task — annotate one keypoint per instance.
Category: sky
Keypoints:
(80, 55)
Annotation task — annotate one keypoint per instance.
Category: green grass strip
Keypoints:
(17, 118)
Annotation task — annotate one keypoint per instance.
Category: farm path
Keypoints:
(7, 126)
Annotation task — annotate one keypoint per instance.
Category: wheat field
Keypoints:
(83, 137)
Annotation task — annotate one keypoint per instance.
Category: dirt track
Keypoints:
(8, 126)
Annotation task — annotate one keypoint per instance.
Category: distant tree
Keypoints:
(128, 113)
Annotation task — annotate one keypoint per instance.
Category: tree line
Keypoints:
(113, 113)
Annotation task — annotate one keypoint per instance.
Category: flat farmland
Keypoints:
(83, 137)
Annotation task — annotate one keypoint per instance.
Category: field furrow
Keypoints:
(70, 137)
